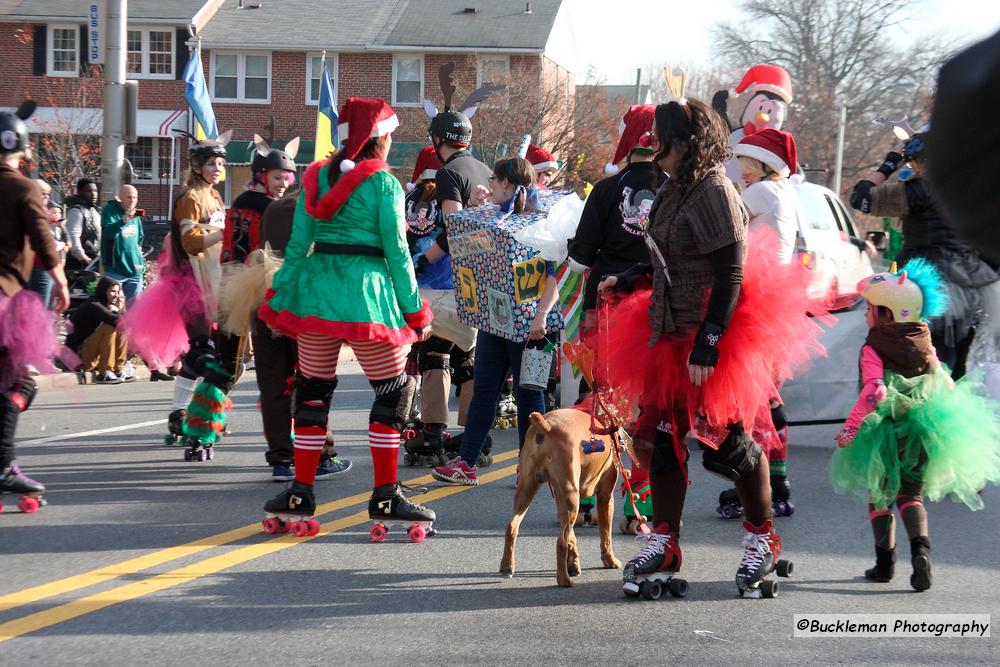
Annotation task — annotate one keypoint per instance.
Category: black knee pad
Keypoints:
(200, 349)
(735, 458)
(778, 417)
(312, 400)
(664, 458)
(393, 400)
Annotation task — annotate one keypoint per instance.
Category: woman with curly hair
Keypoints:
(701, 347)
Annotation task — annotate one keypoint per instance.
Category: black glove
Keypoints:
(706, 345)
(890, 164)
(633, 278)
(24, 393)
(421, 264)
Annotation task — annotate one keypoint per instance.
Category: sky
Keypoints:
(617, 41)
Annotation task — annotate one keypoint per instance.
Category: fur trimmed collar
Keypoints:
(326, 207)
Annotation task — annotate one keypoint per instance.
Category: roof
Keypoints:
(621, 92)
(387, 25)
(179, 12)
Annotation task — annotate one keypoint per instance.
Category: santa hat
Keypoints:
(540, 158)
(767, 78)
(426, 167)
(362, 119)
(636, 132)
(775, 148)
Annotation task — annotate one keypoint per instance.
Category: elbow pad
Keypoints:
(861, 196)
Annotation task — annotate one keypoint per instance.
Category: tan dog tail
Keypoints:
(540, 422)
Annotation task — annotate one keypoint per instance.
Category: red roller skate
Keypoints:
(761, 548)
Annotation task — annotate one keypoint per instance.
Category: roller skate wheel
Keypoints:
(300, 529)
(417, 534)
(313, 526)
(728, 512)
(769, 588)
(630, 591)
(29, 505)
(789, 509)
(1, 506)
(378, 532)
(409, 434)
(784, 568)
(678, 588)
(188, 455)
(271, 525)
(284, 526)
(650, 590)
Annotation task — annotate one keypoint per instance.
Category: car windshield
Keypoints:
(815, 211)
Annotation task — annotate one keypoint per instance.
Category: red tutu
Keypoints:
(769, 339)
(156, 324)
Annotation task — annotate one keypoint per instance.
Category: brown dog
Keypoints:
(553, 452)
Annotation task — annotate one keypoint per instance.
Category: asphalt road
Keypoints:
(141, 558)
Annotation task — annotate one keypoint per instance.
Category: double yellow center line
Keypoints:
(91, 603)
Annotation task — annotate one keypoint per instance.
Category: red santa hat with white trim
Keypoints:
(361, 119)
(426, 167)
(636, 133)
(775, 148)
(767, 78)
(540, 158)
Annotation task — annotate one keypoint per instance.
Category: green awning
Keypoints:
(241, 152)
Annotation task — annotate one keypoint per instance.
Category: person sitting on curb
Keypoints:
(102, 348)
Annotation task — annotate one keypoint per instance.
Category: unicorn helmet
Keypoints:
(916, 293)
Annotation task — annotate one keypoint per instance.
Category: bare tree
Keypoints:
(68, 146)
(839, 51)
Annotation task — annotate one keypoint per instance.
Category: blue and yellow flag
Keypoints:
(196, 94)
(326, 121)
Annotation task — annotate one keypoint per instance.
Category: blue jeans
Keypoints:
(494, 356)
(41, 283)
(131, 285)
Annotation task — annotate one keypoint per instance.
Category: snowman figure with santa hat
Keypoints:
(767, 90)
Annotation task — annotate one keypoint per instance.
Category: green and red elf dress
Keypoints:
(357, 294)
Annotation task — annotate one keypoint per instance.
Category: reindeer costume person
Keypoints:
(447, 356)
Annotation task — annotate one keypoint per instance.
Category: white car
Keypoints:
(828, 245)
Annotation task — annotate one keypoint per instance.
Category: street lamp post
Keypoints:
(842, 124)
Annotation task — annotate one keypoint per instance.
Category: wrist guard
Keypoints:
(24, 393)
(890, 164)
(706, 345)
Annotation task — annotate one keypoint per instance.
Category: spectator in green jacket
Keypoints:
(121, 242)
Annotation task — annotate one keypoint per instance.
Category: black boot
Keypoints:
(12, 480)
(885, 565)
(920, 552)
(388, 502)
(297, 499)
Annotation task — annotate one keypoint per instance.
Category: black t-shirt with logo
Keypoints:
(457, 180)
(612, 231)
(422, 216)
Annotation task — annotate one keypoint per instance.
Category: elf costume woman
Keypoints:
(356, 287)
(913, 432)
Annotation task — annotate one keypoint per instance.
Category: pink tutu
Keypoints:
(28, 337)
(769, 339)
(156, 324)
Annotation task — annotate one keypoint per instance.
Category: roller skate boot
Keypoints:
(781, 491)
(175, 429)
(388, 507)
(198, 450)
(15, 482)
(920, 552)
(730, 506)
(885, 566)
(506, 411)
(425, 448)
(761, 548)
(586, 516)
(292, 510)
(656, 567)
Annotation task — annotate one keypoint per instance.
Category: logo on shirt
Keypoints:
(635, 208)
(421, 217)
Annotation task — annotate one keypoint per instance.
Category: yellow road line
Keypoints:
(146, 561)
(91, 603)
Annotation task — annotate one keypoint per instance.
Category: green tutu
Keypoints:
(924, 430)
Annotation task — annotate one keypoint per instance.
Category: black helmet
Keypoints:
(915, 147)
(266, 158)
(13, 130)
(201, 151)
(452, 127)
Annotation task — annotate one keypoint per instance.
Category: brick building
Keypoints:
(262, 64)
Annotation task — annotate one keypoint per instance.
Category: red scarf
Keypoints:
(326, 207)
